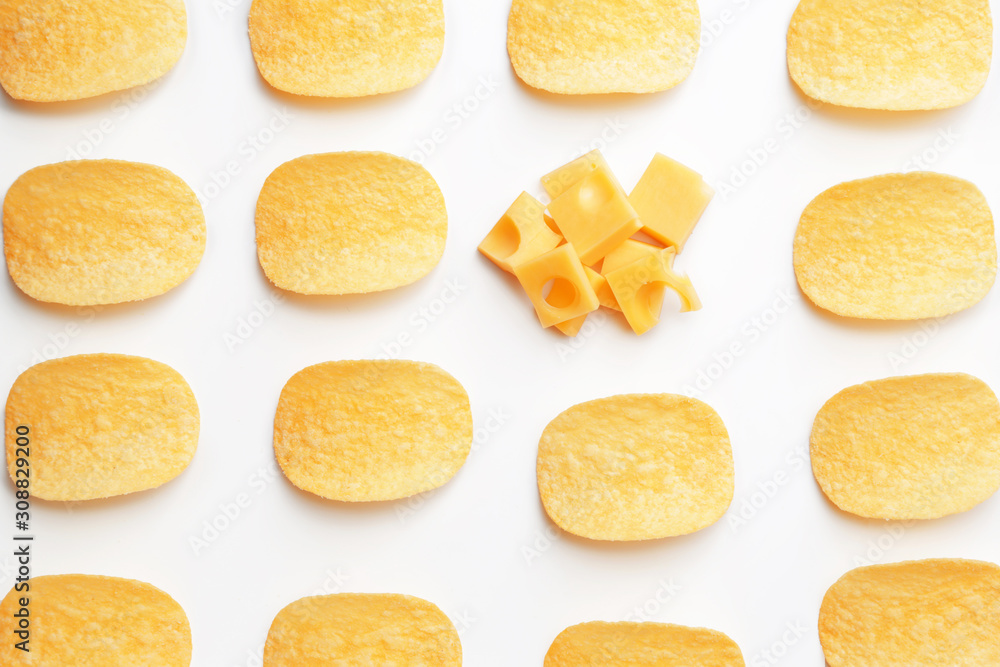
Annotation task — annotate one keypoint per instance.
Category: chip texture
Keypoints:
(83, 620)
(362, 629)
(918, 447)
(897, 247)
(913, 614)
(891, 54)
(372, 430)
(635, 467)
(346, 48)
(95, 232)
(100, 425)
(598, 644)
(349, 223)
(61, 50)
(578, 47)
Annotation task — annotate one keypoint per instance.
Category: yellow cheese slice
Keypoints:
(578, 47)
(891, 54)
(361, 431)
(94, 232)
(639, 289)
(560, 293)
(568, 175)
(346, 48)
(913, 614)
(897, 247)
(61, 50)
(594, 215)
(99, 425)
(635, 467)
(521, 234)
(362, 629)
(570, 292)
(918, 447)
(601, 644)
(670, 199)
(349, 223)
(77, 620)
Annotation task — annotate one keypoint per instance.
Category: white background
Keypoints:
(478, 547)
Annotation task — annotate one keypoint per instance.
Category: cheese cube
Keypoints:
(630, 251)
(571, 294)
(568, 175)
(638, 287)
(521, 234)
(670, 199)
(594, 215)
(604, 295)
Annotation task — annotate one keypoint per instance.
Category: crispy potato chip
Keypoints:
(372, 430)
(579, 47)
(359, 629)
(99, 425)
(60, 50)
(918, 447)
(897, 247)
(925, 613)
(599, 644)
(346, 48)
(635, 467)
(891, 54)
(79, 620)
(349, 223)
(94, 232)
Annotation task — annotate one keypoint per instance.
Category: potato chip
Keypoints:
(925, 613)
(918, 447)
(79, 620)
(359, 629)
(346, 48)
(635, 467)
(891, 54)
(349, 223)
(372, 430)
(599, 644)
(579, 47)
(93, 232)
(897, 247)
(60, 50)
(99, 425)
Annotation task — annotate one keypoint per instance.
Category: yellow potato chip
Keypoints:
(95, 232)
(346, 48)
(599, 644)
(60, 50)
(372, 430)
(579, 47)
(78, 620)
(926, 613)
(891, 54)
(99, 425)
(635, 467)
(349, 223)
(918, 447)
(897, 247)
(362, 629)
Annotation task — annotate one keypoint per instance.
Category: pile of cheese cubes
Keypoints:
(580, 254)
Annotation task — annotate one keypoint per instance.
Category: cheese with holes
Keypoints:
(571, 294)
(670, 199)
(568, 175)
(601, 289)
(521, 234)
(638, 289)
(594, 215)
